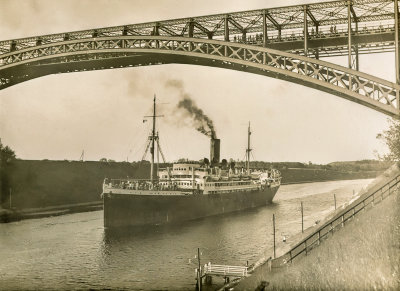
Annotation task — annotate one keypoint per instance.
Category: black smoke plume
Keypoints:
(200, 121)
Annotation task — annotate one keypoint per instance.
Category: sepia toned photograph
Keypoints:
(199, 145)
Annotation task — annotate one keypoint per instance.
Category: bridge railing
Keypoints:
(339, 221)
(255, 38)
(280, 20)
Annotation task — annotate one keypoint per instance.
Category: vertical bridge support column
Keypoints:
(191, 28)
(316, 50)
(226, 28)
(156, 31)
(305, 32)
(226, 33)
(244, 35)
(357, 60)
(265, 29)
(191, 33)
(397, 52)
(349, 39)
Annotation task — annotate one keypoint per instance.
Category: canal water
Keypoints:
(74, 252)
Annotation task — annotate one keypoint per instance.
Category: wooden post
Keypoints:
(273, 225)
(397, 49)
(199, 271)
(305, 246)
(334, 197)
(10, 198)
(302, 220)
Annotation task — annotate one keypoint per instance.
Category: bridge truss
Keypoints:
(284, 42)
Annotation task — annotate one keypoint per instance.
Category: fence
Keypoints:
(338, 221)
(225, 270)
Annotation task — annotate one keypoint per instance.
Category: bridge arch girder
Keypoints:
(123, 51)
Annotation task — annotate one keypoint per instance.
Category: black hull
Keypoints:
(121, 210)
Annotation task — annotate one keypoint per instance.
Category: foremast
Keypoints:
(153, 139)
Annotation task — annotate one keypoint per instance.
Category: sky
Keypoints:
(57, 117)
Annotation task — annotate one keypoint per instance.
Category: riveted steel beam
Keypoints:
(273, 21)
(235, 24)
(312, 17)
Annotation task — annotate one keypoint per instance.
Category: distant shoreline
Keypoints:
(305, 182)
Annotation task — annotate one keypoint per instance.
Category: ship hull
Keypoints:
(122, 210)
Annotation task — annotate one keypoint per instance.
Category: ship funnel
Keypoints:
(214, 151)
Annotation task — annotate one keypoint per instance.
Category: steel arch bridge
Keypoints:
(265, 42)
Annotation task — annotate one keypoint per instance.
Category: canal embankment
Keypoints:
(355, 247)
(9, 215)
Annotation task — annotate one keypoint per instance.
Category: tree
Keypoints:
(392, 139)
(7, 155)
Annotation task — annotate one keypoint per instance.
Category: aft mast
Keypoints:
(153, 137)
(248, 150)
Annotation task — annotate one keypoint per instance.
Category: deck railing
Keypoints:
(339, 221)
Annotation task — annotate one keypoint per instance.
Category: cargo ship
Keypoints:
(187, 190)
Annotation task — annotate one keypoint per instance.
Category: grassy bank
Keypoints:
(364, 255)
(50, 183)
(298, 175)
